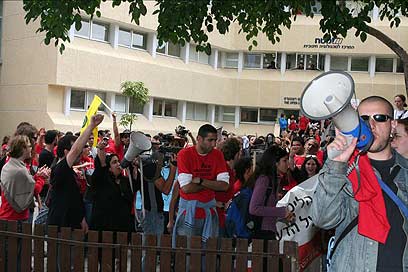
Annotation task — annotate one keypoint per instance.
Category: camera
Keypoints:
(181, 130)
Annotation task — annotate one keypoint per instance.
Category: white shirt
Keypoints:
(402, 113)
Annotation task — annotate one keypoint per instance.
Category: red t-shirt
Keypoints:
(120, 151)
(300, 159)
(225, 196)
(191, 164)
(303, 122)
(293, 126)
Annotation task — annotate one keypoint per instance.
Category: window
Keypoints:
(290, 61)
(135, 107)
(139, 40)
(220, 60)
(249, 115)
(130, 38)
(169, 49)
(339, 63)
(77, 99)
(120, 103)
(268, 115)
(158, 107)
(271, 61)
(252, 60)
(383, 64)
(165, 107)
(217, 113)
(93, 30)
(322, 60)
(400, 66)
(173, 49)
(85, 29)
(80, 99)
(90, 97)
(228, 114)
(196, 111)
(359, 64)
(100, 31)
(306, 61)
(300, 61)
(125, 38)
(312, 62)
(200, 57)
(231, 60)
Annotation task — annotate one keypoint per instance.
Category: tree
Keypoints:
(136, 91)
(195, 19)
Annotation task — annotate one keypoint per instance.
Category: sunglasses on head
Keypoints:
(311, 156)
(381, 118)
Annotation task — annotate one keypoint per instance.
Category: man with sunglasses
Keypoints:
(338, 200)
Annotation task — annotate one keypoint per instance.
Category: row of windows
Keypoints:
(80, 100)
(294, 61)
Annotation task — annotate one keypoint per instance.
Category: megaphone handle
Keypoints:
(333, 153)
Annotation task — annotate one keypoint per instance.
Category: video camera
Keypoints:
(181, 130)
(168, 148)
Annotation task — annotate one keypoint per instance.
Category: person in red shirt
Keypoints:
(230, 149)
(303, 124)
(311, 148)
(293, 126)
(202, 171)
(18, 186)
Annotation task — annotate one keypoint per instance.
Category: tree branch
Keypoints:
(393, 45)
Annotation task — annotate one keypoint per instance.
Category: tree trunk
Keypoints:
(394, 46)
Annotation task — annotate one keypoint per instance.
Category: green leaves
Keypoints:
(363, 36)
(135, 90)
(190, 21)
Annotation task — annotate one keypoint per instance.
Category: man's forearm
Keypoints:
(215, 185)
(192, 188)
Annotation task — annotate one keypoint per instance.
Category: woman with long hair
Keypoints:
(113, 196)
(309, 168)
(264, 197)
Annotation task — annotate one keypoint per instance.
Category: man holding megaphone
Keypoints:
(362, 193)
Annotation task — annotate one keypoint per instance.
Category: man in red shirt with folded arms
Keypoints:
(202, 171)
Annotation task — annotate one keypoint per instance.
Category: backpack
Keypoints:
(239, 223)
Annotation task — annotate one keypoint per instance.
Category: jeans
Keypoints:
(153, 223)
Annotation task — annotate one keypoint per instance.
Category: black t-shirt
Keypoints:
(390, 254)
(46, 158)
(66, 207)
(112, 201)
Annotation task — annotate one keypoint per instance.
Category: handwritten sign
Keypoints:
(302, 230)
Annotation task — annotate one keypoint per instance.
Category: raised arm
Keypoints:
(79, 144)
(116, 134)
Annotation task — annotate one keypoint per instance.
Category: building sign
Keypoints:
(333, 43)
(291, 100)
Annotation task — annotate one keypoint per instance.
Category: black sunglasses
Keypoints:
(381, 118)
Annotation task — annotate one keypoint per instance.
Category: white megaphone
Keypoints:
(139, 143)
(328, 96)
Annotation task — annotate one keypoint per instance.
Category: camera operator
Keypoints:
(182, 132)
(155, 182)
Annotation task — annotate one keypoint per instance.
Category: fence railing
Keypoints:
(27, 248)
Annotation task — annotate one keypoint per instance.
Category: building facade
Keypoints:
(242, 91)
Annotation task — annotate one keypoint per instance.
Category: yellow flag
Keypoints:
(93, 108)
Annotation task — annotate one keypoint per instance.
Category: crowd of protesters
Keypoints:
(187, 183)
